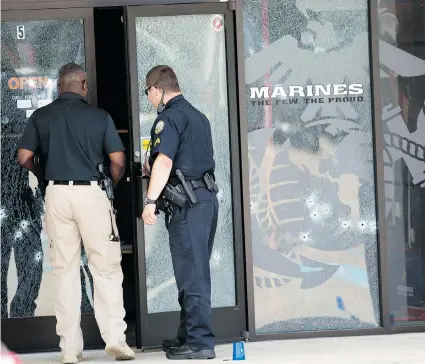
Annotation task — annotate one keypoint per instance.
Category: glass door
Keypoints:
(34, 45)
(197, 41)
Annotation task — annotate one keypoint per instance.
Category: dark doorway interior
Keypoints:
(112, 96)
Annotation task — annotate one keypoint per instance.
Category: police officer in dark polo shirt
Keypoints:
(73, 138)
(181, 145)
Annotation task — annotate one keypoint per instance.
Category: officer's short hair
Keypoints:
(164, 78)
(70, 73)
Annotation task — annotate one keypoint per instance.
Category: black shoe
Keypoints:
(185, 352)
(174, 343)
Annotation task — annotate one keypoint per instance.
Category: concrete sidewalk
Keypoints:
(388, 349)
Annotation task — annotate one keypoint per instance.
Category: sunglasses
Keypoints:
(147, 90)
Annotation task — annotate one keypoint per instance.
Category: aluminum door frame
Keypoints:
(153, 328)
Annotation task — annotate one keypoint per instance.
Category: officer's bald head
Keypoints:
(73, 78)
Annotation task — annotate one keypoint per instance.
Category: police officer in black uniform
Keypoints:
(181, 163)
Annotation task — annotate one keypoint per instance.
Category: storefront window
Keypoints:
(31, 54)
(309, 111)
(402, 59)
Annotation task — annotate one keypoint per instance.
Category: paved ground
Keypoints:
(389, 349)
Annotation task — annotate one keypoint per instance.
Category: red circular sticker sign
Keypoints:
(217, 23)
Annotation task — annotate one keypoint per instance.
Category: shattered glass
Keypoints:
(31, 54)
(199, 61)
(311, 162)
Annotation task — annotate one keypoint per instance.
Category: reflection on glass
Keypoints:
(31, 54)
(402, 36)
(309, 116)
(195, 48)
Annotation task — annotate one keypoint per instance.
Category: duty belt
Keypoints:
(180, 194)
(75, 183)
(193, 183)
(197, 184)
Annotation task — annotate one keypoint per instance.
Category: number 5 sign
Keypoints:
(20, 30)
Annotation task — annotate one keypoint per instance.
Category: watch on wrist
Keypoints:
(148, 201)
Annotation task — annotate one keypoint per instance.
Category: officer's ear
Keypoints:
(85, 86)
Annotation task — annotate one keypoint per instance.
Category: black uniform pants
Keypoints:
(191, 232)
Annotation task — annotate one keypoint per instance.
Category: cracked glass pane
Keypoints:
(31, 54)
(199, 61)
(309, 111)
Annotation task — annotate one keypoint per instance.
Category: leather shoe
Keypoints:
(185, 352)
(173, 343)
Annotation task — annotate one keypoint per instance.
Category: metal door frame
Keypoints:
(38, 333)
(232, 319)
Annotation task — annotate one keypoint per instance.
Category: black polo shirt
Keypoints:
(72, 138)
(183, 134)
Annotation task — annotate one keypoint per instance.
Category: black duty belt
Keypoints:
(75, 183)
(193, 183)
(197, 184)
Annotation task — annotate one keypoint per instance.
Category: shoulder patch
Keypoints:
(159, 127)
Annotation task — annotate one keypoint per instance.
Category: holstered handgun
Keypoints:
(170, 196)
(174, 196)
(105, 182)
(162, 205)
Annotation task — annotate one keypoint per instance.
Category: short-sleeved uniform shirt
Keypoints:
(183, 134)
(71, 137)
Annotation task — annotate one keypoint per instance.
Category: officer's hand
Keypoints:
(148, 215)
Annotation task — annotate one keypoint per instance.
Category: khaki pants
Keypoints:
(84, 212)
